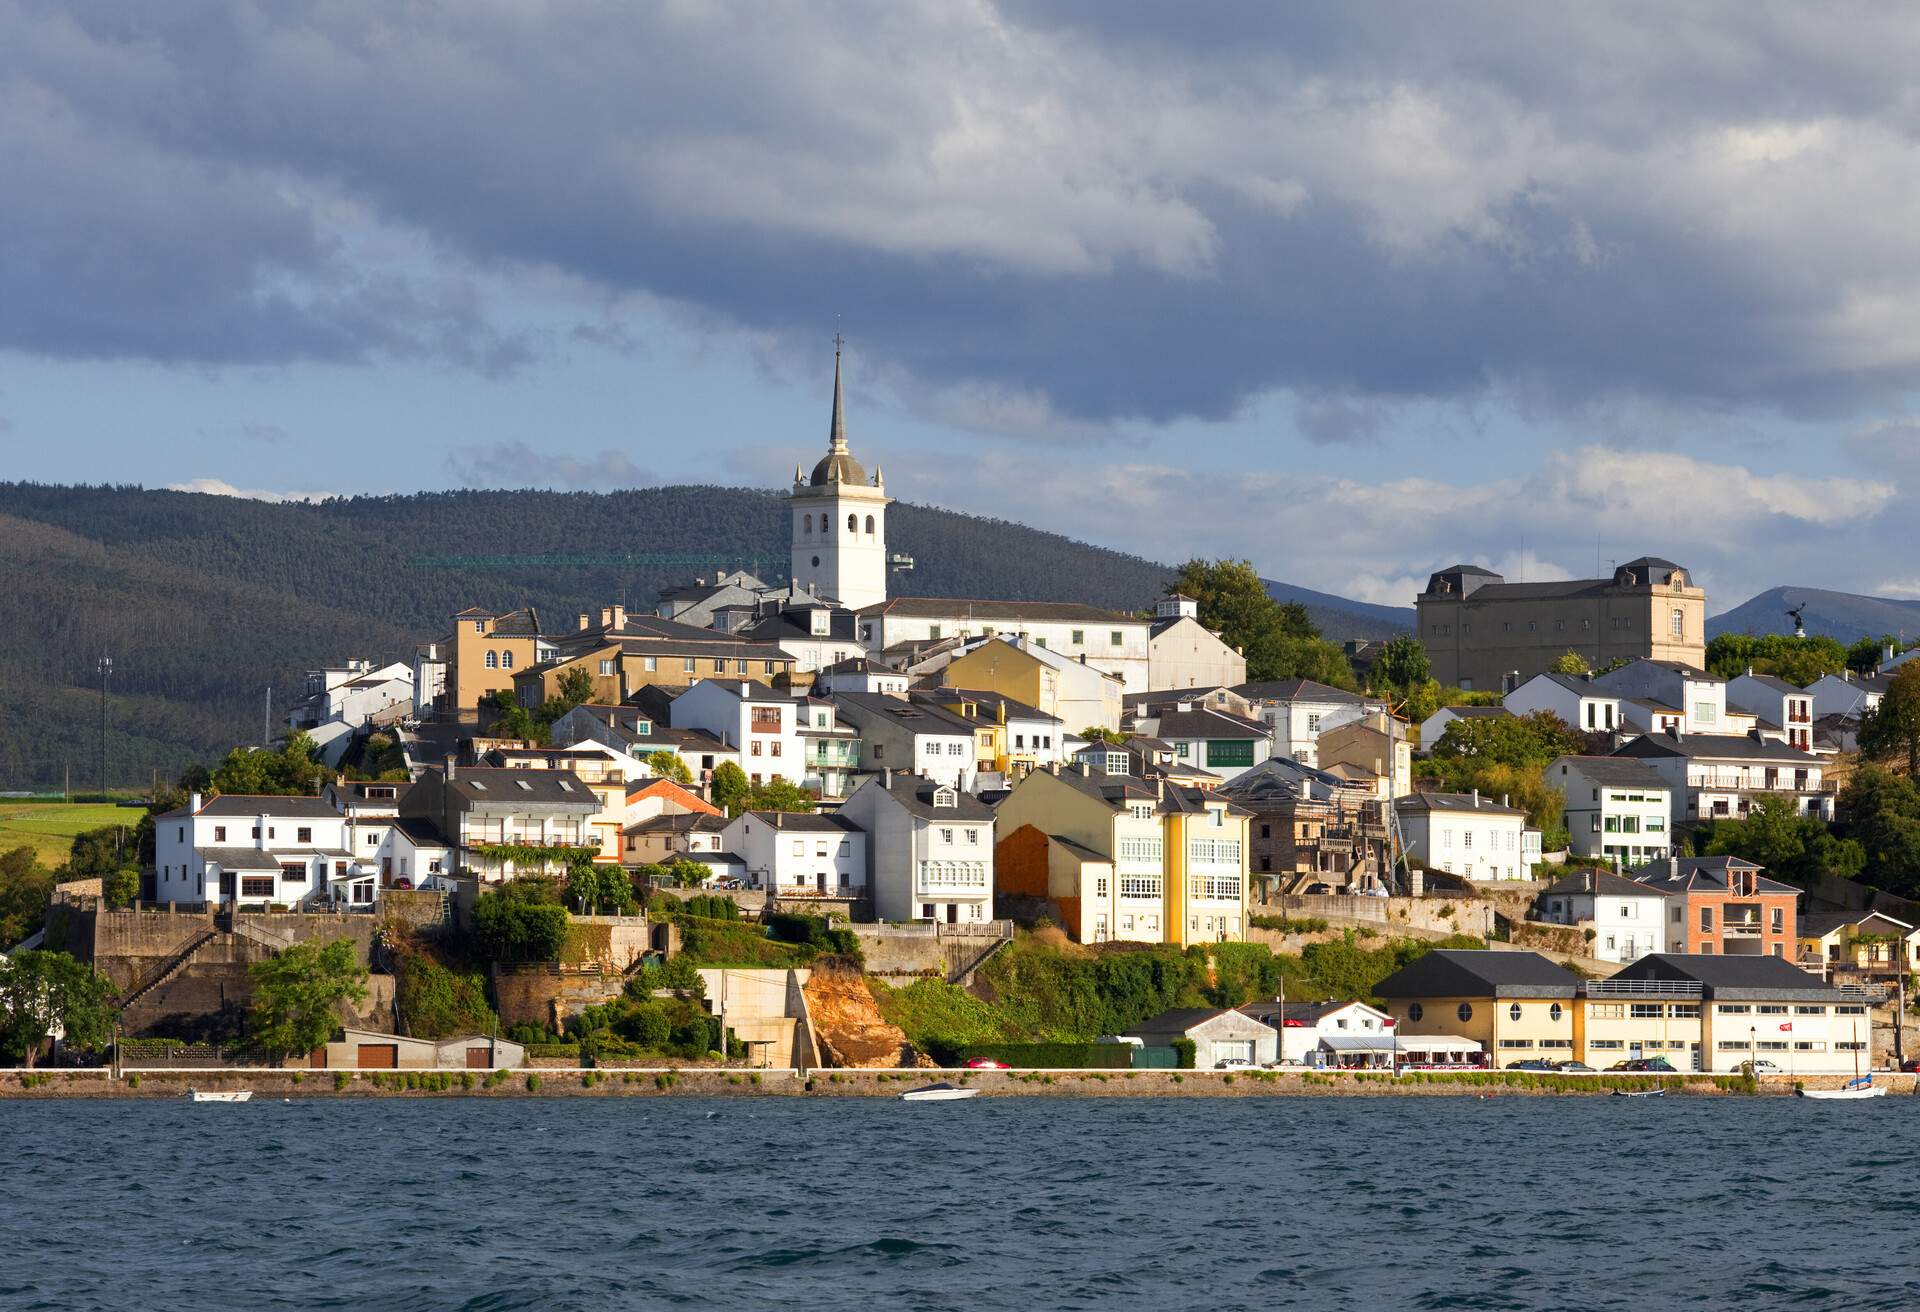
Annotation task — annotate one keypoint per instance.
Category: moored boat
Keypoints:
(1639, 1093)
(1863, 1087)
(216, 1095)
(942, 1092)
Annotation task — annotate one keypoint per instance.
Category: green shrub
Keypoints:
(1184, 1050)
(298, 1077)
(1289, 924)
(1109, 1056)
(133, 1081)
(437, 1002)
(466, 1079)
(533, 1082)
(507, 928)
(341, 1080)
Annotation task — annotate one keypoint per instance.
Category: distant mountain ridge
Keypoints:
(205, 602)
(1845, 616)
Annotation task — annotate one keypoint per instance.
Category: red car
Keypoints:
(986, 1064)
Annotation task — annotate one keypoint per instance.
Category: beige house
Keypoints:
(1222, 1038)
(1377, 743)
(370, 1050)
(488, 648)
(1519, 1006)
(1184, 653)
(1478, 628)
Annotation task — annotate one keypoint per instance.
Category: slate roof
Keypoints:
(1818, 924)
(1476, 712)
(1454, 802)
(1180, 1020)
(420, 831)
(1279, 778)
(1717, 747)
(1613, 771)
(796, 626)
(1053, 612)
(912, 716)
(988, 701)
(1710, 874)
(686, 822)
(476, 786)
(915, 793)
(253, 805)
(806, 822)
(1578, 686)
(1776, 683)
(1278, 1013)
(1294, 690)
(1456, 973)
(1733, 978)
(240, 858)
(1206, 722)
(1603, 883)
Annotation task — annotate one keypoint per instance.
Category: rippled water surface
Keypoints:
(995, 1203)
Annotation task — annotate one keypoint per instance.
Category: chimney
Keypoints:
(1888, 655)
(193, 804)
(1749, 669)
(1306, 789)
(606, 616)
(261, 841)
(1504, 802)
(1673, 866)
(1476, 799)
(1589, 881)
(889, 777)
(1160, 788)
(619, 617)
(453, 765)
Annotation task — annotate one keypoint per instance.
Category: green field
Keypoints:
(48, 827)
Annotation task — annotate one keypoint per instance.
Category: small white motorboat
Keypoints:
(1864, 1087)
(214, 1095)
(942, 1092)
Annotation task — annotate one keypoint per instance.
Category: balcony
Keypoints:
(831, 753)
(1642, 988)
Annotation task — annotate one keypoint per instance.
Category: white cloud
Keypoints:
(219, 487)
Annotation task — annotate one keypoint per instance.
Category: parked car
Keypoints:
(1535, 1064)
(1230, 1063)
(1761, 1066)
(727, 882)
(986, 1064)
(1573, 1067)
(1911, 1065)
(1645, 1065)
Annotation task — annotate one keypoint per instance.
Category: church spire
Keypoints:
(837, 435)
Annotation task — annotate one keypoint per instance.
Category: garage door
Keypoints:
(1233, 1050)
(479, 1059)
(378, 1056)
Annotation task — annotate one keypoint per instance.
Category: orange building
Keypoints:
(1723, 906)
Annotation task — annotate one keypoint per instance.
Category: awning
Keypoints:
(1437, 1043)
(1357, 1042)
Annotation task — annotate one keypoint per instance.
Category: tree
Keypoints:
(1883, 817)
(600, 889)
(1532, 739)
(506, 928)
(25, 888)
(296, 994)
(43, 994)
(1569, 663)
(1278, 639)
(1793, 847)
(292, 770)
(780, 794)
(1892, 729)
(1403, 664)
(667, 764)
(575, 688)
(121, 888)
(1865, 655)
(101, 851)
(1095, 733)
(1797, 660)
(729, 788)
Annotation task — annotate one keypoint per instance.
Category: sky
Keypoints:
(1354, 292)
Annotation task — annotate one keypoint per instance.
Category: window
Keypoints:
(1646, 1010)
(946, 835)
(606, 667)
(303, 835)
(219, 834)
(1779, 920)
(933, 633)
(719, 665)
(807, 525)
(506, 660)
(256, 886)
(1465, 1012)
(686, 664)
(1706, 920)
(1679, 623)
(869, 525)
(799, 847)
(973, 837)
(479, 626)
(1415, 1011)
(493, 660)
(1078, 637)
(1118, 639)
(1553, 1012)
(1513, 1012)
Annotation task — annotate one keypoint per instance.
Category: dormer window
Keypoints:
(1116, 763)
(525, 787)
(945, 797)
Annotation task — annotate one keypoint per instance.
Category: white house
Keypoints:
(1298, 711)
(1628, 919)
(799, 855)
(1434, 727)
(1218, 741)
(350, 694)
(1468, 835)
(816, 634)
(1699, 697)
(1783, 711)
(1716, 776)
(1578, 702)
(478, 811)
(255, 852)
(1183, 653)
(1220, 1037)
(742, 713)
(830, 749)
(1107, 640)
(1342, 1033)
(861, 674)
(929, 849)
(1617, 809)
(914, 737)
(1848, 694)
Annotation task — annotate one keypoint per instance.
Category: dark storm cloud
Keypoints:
(1123, 210)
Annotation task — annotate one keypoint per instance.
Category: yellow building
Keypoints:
(1518, 1006)
(1121, 858)
(488, 647)
(1857, 946)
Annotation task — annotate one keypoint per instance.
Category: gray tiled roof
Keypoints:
(1453, 973)
(1059, 612)
(1612, 771)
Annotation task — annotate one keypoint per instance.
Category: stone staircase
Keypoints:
(167, 969)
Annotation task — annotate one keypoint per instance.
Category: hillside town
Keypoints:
(930, 781)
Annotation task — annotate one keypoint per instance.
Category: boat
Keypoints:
(942, 1092)
(1639, 1093)
(1860, 1086)
(214, 1095)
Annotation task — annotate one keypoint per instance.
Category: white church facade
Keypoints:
(839, 528)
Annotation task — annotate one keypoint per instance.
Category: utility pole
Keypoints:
(106, 668)
(266, 725)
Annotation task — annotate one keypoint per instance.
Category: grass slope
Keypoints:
(49, 827)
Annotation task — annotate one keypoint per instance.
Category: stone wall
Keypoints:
(546, 997)
(902, 950)
(1444, 914)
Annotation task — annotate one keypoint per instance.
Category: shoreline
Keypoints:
(270, 1083)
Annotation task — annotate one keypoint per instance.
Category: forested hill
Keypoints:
(204, 602)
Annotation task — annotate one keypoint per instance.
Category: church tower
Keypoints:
(840, 520)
